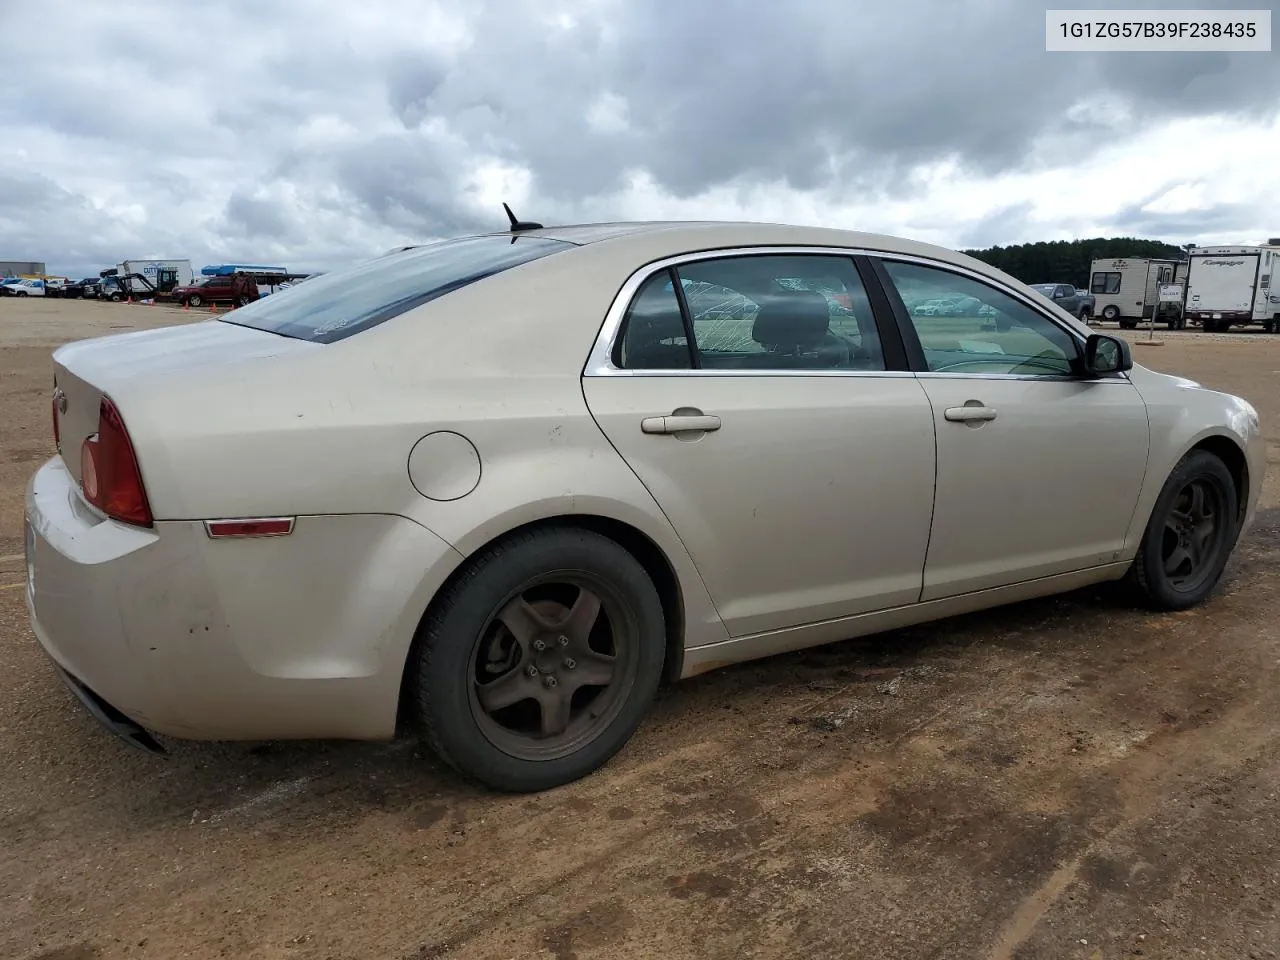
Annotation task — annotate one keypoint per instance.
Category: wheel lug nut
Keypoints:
(562, 640)
(531, 670)
(549, 681)
(570, 663)
(539, 644)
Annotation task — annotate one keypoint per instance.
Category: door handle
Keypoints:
(680, 423)
(969, 414)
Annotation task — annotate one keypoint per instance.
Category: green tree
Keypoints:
(1068, 261)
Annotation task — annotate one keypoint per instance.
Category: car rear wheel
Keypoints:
(1110, 313)
(539, 663)
(1190, 535)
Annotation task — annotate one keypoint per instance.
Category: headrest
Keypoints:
(797, 318)
(654, 321)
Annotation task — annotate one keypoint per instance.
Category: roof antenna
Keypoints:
(518, 225)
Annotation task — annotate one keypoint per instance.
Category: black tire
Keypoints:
(194, 300)
(1085, 316)
(1128, 324)
(20, 293)
(1162, 544)
(447, 673)
(1110, 313)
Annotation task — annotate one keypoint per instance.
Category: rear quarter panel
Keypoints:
(329, 430)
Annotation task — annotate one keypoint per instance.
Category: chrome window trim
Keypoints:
(600, 359)
(1031, 304)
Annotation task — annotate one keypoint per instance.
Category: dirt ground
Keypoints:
(1064, 778)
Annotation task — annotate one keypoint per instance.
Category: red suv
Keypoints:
(235, 289)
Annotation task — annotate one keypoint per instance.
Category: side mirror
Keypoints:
(1103, 354)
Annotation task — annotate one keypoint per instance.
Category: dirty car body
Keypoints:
(501, 486)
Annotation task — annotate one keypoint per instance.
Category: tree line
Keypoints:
(1068, 261)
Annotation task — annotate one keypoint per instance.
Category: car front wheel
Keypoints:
(540, 661)
(1190, 535)
(194, 300)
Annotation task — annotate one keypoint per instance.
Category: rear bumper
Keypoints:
(302, 636)
(110, 718)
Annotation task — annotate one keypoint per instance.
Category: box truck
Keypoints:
(1230, 286)
(147, 278)
(1127, 290)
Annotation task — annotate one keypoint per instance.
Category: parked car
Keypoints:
(22, 287)
(112, 288)
(1067, 297)
(81, 288)
(234, 289)
(435, 481)
(1087, 304)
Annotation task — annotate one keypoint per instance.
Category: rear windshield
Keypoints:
(338, 304)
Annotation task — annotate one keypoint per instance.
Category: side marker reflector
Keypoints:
(266, 527)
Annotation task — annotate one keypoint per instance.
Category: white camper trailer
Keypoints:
(1127, 289)
(1227, 286)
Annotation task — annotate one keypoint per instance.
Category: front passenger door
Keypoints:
(1039, 468)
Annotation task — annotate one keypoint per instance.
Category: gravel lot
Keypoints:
(1064, 778)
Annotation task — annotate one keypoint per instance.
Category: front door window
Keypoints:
(968, 327)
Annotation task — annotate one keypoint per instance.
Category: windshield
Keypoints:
(1045, 288)
(339, 304)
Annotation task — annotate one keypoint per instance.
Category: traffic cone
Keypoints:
(130, 300)
(213, 308)
(186, 305)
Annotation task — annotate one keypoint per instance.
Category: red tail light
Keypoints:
(109, 471)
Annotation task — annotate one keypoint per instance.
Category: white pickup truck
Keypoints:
(21, 287)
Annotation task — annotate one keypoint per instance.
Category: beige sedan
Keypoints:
(502, 486)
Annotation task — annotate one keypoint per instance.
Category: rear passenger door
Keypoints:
(757, 400)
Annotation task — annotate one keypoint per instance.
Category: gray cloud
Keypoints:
(1219, 218)
(332, 125)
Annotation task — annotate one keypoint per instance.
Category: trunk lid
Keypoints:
(86, 370)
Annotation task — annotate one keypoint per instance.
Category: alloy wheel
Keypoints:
(553, 666)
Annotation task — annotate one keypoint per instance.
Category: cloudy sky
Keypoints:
(310, 132)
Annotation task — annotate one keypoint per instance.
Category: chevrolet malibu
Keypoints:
(500, 487)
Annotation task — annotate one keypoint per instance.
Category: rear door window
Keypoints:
(340, 304)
